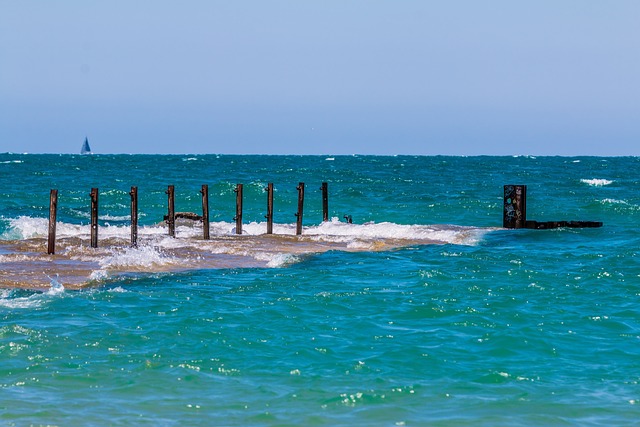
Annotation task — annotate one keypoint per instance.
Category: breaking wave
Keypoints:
(596, 182)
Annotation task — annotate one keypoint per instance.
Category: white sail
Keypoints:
(85, 147)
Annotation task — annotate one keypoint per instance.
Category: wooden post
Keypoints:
(171, 217)
(53, 210)
(238, 217)
(205, 211)
(300, 188)
(134, 216)
(269, 215)
(515, 206)
(94, 217)
(325, 201)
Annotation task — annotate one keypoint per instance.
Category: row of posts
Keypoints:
(514, 212)
(171, 217)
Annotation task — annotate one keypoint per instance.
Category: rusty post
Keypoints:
(238, 217)
(515, 206)
(325, 201)
(94, 217)
(53, 211)
(300, 188)
(171, 217)
(134, 216)
(269, 215)
(205, 211)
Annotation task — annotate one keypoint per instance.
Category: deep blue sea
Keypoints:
(422, 311)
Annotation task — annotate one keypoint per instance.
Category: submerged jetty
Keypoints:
(514, 213)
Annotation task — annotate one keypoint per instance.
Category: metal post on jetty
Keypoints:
(134, 216)
(325, 201)
(238, 217)
(171, 217)
(205, 211)
(269, 215)
(53, 211)
(94, 217)
(300, 188)
(515, 206)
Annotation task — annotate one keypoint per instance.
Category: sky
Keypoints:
(420, 77)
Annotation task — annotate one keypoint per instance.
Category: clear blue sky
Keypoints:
(321, 77)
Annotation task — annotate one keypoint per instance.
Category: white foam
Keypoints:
(332, 231)
(387, 230)
(595, 182)
(25, 227)
(144, 256)
(342, 232)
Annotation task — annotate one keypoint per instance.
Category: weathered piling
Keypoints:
(238, 217)
(300, 188)
(134, 216)
(53, 212)
(325, 201)
(94, 217)
(269, 215)
(515, 206)
(171, 217)
(515, 213)
(205, 211)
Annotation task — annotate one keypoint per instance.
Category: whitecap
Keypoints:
(595, 182)
(614, 202)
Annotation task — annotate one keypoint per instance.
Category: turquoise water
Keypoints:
(483, 327)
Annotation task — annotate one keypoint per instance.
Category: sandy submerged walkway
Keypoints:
(25, 264)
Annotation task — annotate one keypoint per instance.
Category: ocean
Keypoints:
(422, 311)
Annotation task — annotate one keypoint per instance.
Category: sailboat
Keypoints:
(85, 147)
